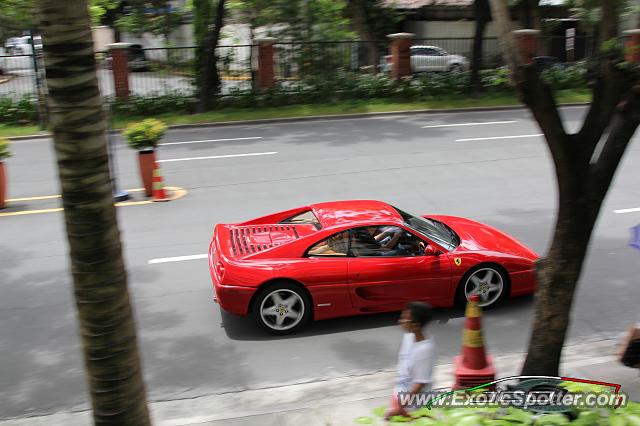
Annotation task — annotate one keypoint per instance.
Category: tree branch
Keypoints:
(625, 123)
(502, 19)
(607, 93)
(534, 92)
(609, 22)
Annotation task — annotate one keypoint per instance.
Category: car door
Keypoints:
(387, 280)
(419, 60)
(323, 270)
(437, 60)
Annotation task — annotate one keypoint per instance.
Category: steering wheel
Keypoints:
(422, 246)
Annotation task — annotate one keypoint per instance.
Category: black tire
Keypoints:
(456, 69)
(461, 298)
(263, 300)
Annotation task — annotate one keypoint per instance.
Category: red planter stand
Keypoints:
(147, 160)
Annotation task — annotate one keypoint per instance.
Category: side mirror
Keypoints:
(430, 250)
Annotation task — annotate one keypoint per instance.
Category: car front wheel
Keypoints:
(488, 282)
(281, 308)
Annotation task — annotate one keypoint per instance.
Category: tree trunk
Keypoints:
(557, 275)
(358, 14)
(583, 176)
(100, 282)
(209, 76)
(529, 15)
(482, 13)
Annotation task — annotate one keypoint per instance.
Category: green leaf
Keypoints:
(379, 411)
(400, 419)
(552, 420)
(633, 420)
(425, 421)
(615, 420)
(421, 412)
(365, 420)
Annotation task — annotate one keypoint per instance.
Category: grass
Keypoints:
(338, 108)
(7, 130)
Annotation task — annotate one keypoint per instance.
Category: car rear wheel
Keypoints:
(281, 308)
(456, 68)
(488, 282)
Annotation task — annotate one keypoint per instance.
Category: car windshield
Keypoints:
(435, 230)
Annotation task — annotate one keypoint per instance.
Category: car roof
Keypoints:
(426, 47)
(355, 212)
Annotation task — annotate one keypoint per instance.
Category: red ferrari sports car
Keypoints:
(354, 257)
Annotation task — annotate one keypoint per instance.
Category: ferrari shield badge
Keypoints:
(457, 261)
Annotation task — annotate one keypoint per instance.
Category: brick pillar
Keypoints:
(120, 68)
(527, 42)
(266, 74)
(401, 54)
(632, 46)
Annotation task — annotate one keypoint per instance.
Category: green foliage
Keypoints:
(144, 134)
(154, 104)
(16, 16)
(5, 151)
(297, 20)
(510, 416)
(161, 20)
(98, 9)
(341, 86)
(18, 111)
(566, 77)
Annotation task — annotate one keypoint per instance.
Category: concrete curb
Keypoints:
(323, 117)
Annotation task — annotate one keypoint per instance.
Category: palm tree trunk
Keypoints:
(99, 278)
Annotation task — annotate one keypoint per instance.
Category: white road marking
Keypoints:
(633, 210)
(213, 157)
(499, 137)
(178, 258)
(468, 124)
(211, 140)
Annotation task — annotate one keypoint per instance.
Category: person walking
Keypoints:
(415, 359)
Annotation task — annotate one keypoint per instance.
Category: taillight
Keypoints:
(220, 270)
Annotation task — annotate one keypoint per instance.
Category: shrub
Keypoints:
(5, 151)
(572, 76)
(154, 104)
(18, 111)
(144, 134)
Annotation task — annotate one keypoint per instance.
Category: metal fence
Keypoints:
(158, 71)
(18, 76)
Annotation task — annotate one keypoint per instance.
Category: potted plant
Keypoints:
(143, 136)
(5, 152)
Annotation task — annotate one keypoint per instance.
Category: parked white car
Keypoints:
(432, 58)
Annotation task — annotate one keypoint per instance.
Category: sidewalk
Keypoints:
(340, 401)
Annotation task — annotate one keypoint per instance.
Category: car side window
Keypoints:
(335, 246)
(385, 241)
(431, 52)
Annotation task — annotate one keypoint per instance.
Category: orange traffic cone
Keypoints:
(159, 194)
(473, 367)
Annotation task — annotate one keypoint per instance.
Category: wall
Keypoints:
(102, 37)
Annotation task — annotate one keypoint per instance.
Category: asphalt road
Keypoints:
(190, 348)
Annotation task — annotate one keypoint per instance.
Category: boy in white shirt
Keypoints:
(416, 357)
